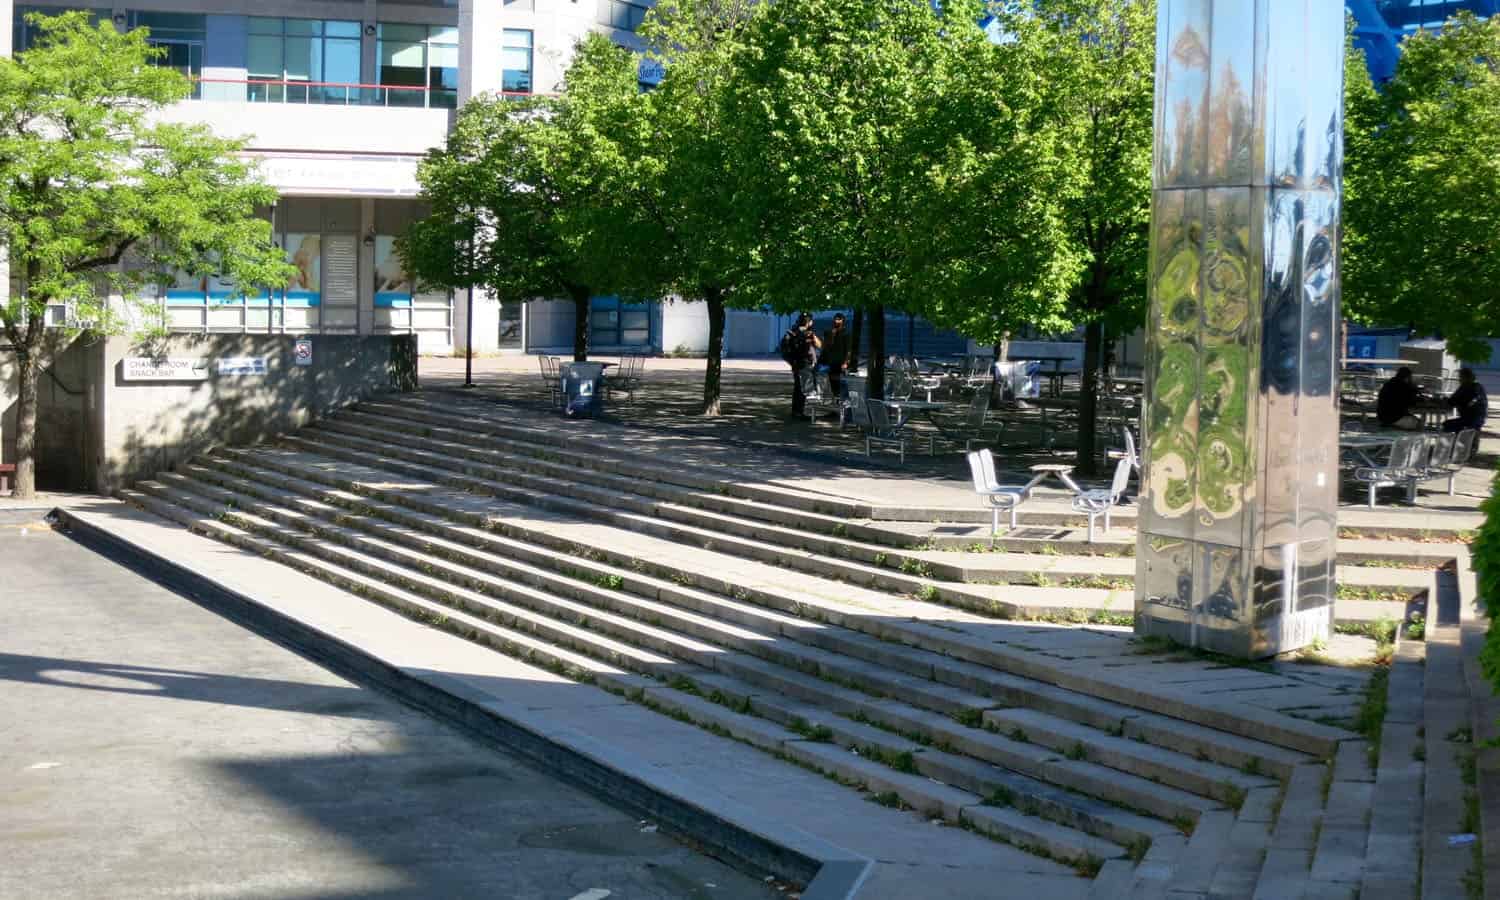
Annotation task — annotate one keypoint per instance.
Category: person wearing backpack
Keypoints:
(799, 347)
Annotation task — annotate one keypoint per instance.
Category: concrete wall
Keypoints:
(98, 432)
(145, 427)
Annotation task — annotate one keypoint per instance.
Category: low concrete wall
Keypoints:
(148, 426)
(96, 431)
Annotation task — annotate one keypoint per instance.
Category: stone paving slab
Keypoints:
(672, 757)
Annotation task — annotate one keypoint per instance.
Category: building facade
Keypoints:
(1379, 25)
(339, 100)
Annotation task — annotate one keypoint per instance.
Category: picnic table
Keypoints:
(903, 408)
(1364, 447)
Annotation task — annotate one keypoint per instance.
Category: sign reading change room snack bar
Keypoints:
(146, 368)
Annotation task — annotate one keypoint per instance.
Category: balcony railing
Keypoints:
(335, 93)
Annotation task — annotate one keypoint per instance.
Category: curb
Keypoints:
(750, 841)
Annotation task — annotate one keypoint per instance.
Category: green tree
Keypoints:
(839, 106)
(87, 179)
(508, 211)
(1422, 183)
(1096, 60)
(703, 234)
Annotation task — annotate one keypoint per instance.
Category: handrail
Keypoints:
(353, 93)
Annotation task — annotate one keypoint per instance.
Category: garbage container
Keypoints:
(582, 388)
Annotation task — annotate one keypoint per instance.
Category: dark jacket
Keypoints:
(1472, 403)
(1395, 400)
(835, 349)
(797, 348)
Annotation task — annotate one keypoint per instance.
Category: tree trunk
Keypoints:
(28, 367)
(580, 324)
(875, 384)
(854, 329)
(714, 368)
(1088, 396)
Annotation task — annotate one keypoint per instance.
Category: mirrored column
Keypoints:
(1240, 431)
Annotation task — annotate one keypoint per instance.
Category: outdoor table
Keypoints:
(903, 407)
(1363, 446)
(1431, 412)
(1061, 470)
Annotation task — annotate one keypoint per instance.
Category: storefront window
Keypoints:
(323, 53)
(516, 60)
(419, 56)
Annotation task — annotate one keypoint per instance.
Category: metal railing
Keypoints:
(334, 93)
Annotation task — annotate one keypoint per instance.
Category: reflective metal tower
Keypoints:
(1240, 430)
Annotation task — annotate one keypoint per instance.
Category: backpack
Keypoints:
(791, 347)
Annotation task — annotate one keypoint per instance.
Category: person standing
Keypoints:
(835, 354)
(1471, 402)
(799, 347)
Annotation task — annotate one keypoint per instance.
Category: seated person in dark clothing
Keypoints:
(1471, 402)
(1396, 398)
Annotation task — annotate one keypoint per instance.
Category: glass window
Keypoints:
(23, 34)
(419, 56)
(621, 14)
(284, 51)
(180, 38)
(515, 76)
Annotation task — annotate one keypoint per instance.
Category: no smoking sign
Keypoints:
(303, 353)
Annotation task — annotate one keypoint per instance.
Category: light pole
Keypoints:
(469, 320)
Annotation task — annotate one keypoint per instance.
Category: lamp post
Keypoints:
(469, 320)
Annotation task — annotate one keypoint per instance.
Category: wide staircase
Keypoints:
(769, 615)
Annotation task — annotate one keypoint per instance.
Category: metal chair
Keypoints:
(627, 376)
(926, 382)
(821, 396)
(1101, 501)
(988, 487)
(1402, 469)
(1460, 449)
(552, 375)
(859, 414)
(883, 430)
(976, 420)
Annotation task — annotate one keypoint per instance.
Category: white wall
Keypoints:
(684, 326)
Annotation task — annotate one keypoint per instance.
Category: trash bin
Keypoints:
(582, 388)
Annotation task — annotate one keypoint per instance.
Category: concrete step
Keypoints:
(1156, 763)
(808, 680)
(750, 538)
(573, 665)
(1050, 839)
(483, 421)
(1103, 718)
(603, 470)
(868, 616)
(473, 603)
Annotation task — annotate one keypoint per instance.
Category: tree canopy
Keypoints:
(1422, 177)
(88, 182)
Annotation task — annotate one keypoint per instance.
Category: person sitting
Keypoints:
(1397, 397)
(1471, 402)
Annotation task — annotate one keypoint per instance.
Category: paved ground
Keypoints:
(152, 748)
(754, 417)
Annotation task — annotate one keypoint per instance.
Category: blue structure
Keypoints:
(1381, 24)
